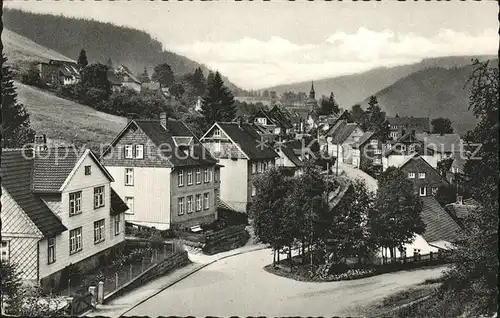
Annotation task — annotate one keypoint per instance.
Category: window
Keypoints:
(377, 161)
(216, 175)
(99, 231)
(88, 170)
(373, 141)
(118, 221)
(180, 204)
(412, 148)
(130, 203)
(190, 203)
(51, 249)
(129, 176)
(198, 176)
(205, 175)
(5, 251)
(254, 191)
(128, 152)
(254, 168)
(75, 240)
(205, 200)
(198, 202)
(403, 147)
(216, 193)
(75, 203)
(394, 134)
(139, 151)
(423, 191)
(411, 175)
(421, 175)
(377, 151)
(98, 197)
(190, 177)
(264, 166)
(180, 178)
(434, 190)
(218, 146)
(217, 132)
(259, 167)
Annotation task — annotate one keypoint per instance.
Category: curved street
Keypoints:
(240, 286)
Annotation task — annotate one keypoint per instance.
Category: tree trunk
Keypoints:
(278, 251)
(290, 257)
(303, 251)
(274, 257)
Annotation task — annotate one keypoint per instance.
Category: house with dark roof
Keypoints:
(368, 150)
(399, 125)
(58, 208)
(441, 233)
(288, 159)
(128, 79)
(243, 154)
(282, 118)
(340, 138)
(462, 209)
(426, 180)
(443, 145)
(57, 72)
(164, 174)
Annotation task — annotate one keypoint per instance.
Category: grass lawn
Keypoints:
(67, 122)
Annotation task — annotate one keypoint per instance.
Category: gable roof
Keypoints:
(441, 143)
(282, 117)
(290, 154)
(54, 167)
(363, 139)
(460, 211)
(340, 134)
(113, 79)
(248, 139)
(416, 156)
(440, 226)
(419, 124)
(117, 204)
(16, 171)
(130, 74)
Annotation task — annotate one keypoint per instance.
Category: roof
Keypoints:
(151, 86)
(419, 124)
(442, 143)
(129, 74)
(117, 204)
(113, 79)
(16, 171)
(461, 211)
(440, 226)
(53, 166)
(282, 117)
(175, 129)
(223, 205)
(416, 156)
(248, 139)
(363, 139)
(290, 154)
(69, 69)
(343, 131)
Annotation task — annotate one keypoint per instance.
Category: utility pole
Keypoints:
(337, 159)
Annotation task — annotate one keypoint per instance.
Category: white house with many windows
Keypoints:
(58, 208)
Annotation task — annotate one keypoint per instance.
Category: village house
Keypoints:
(283, 120)
(288, 160)
(444, 145)
(367, 151)
(400, 150)
(340, 138)
(262, 119)
(399, 125)
(57, 72)
(58, 209)
(441, 232)
(426, 180)
(164, 175)
(243, 156)
(128, 79)
(114, 81)
(462, 209)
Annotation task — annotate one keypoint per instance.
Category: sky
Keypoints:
(259, 44)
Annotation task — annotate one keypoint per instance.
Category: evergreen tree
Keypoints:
(441, 126)
(109, 63)
(358, 115)
(329, 105)
(163, 74)
(218, 102)
(16, 131)
(82, 59)
(396, 217)
(210, 79)
(199, 81)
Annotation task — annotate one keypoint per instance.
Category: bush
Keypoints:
(31, 76)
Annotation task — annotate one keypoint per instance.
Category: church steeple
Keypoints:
(312, 93)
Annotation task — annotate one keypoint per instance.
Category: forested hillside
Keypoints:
(123, 45)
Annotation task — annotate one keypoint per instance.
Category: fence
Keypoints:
(417, 258)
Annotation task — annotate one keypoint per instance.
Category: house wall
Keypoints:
(132, 85)
(48, 73)
(85, 184)
(367, 154)
(419, 243)
(22, 236)
(195, 217)
(432, 178)
(234, 183)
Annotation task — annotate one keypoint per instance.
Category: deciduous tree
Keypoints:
(163, 74)
(441, 126)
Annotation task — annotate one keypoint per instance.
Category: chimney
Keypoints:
(40, 142)
(163, 119)
(460, 199)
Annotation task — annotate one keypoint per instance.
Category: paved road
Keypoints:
(239, 286)
(354, 173)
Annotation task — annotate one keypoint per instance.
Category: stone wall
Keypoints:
(175, 261)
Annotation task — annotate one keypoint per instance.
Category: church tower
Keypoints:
(312, 93)
(311, 103)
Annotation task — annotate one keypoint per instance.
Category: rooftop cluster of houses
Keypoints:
(157, 173)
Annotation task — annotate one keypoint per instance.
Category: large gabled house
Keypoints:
(400, 150)
(58, 209)
(164, 174)
(340, 138)
(368, 151)
(243, 154)
(128, 79)
(399, 125)
(58, 72)
(288, 160)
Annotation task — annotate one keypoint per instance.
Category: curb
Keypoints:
(183, 277)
